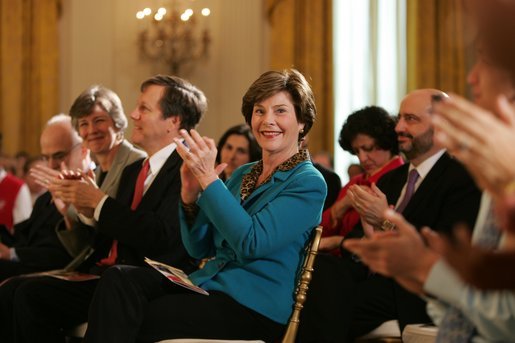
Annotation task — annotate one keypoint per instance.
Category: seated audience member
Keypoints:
(437, 193)
(36, 246)
(256, 225)
(324, 159)
(20, 159)
(332, 180)
(98, 116)
(463, 312)
(334, 184)
(142, 221)
(236, 147)
(354, 170)
(370, 134)
(15, 202)
(36, 188)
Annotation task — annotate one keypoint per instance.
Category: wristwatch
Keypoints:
(387, 225)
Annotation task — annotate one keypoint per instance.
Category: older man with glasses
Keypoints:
(36, 246)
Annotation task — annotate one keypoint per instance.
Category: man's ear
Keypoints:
(174, 123)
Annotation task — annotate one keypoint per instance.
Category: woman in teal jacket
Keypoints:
(254, 230)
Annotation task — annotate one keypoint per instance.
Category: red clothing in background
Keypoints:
(351, 217)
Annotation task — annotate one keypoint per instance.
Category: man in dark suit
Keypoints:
(36, 246)
(334, 184)
(345, 299)
(130, 227)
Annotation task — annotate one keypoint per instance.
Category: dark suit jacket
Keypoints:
(334, 184)
(36, 242)
(446, 197)
(152, 230)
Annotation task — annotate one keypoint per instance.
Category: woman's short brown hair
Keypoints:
(290, 81)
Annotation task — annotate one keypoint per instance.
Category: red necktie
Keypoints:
(136, 199)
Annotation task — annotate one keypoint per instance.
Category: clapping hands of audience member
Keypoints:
(198, 170)
(338, 210)
(46, 177)
(483, 268)
(370, 203)
(480, 140)
(70, 187)
(400, 253)
(330, 243)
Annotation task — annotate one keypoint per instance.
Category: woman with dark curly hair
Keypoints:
(369, 134)
(236, 147)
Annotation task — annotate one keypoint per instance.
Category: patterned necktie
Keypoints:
(410, 189)
(455, 327)
(136, 199)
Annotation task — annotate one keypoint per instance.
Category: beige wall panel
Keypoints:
(99, 45)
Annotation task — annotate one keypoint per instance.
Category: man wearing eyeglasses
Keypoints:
(36, 246)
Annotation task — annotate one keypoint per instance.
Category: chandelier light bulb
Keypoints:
(178, 45)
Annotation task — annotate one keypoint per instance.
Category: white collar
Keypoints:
(425, 167)
(158, 159)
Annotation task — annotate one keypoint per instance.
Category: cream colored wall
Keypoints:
(98, 45)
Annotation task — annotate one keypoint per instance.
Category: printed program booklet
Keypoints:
(62, 274)
(175, 275)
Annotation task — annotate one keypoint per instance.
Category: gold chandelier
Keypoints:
(170, 36)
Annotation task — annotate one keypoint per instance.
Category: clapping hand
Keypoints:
(401, 253)
(198, 170)
(481, 140)
(370, 203)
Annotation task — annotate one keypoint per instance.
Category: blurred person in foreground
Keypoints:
(256, 226)
(488, 156)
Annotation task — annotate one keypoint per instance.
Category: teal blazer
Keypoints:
(258, 244)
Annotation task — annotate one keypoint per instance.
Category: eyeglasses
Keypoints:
(60, 155)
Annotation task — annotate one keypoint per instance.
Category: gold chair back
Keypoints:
(302, 286)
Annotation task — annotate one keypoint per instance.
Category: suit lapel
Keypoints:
(117, 166)
(168, 171)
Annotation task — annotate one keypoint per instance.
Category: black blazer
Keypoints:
(36, 242)
(447, 196)
(152, 230)
(334, 184)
